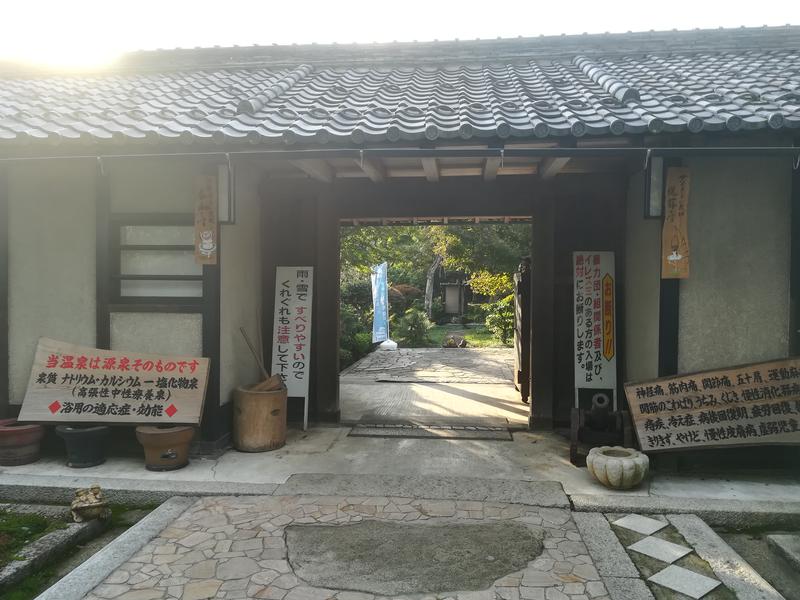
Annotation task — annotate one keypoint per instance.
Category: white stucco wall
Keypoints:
(734, 308)
(240, 301)
(51, 216)
(642, 285)
(153, 185)
(173, 334)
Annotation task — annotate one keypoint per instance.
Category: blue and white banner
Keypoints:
(380, 303)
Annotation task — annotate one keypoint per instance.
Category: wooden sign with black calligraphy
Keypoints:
(748, 405)
(76, 384)
(675, 232)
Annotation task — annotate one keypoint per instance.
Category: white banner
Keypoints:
(595, 329)
(291, 339)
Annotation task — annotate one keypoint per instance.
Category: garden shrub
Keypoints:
(500, 318)
(413, 328)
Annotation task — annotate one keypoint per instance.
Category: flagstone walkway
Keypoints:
(233, 548)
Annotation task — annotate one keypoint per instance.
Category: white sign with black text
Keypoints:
(291, 339)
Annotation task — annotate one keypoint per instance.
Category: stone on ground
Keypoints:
(392, 558)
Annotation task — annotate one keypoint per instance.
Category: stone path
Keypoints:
(233, 548)
(433, 386)
(435, 365)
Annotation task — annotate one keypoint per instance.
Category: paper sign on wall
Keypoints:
(748, 405)
(675, 233)
(595, 345)
(72, 383)
(291, 339)
(206, 230)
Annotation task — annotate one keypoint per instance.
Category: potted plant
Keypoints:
(19, 442)
(86, 444)
(166, 447)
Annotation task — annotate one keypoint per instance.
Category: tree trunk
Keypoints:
(437, 262)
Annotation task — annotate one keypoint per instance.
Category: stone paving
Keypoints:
(235, 547)
(440, 365)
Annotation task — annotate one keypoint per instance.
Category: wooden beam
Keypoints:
(431, 168)
(316, 169)
(490, 168)
(551, 166)
(373, 168)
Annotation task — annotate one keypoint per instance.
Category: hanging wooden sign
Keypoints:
(72, 383)
(206, 228)
(748, 405)
(675, 233)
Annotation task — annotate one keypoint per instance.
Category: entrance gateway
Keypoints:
(575, 133)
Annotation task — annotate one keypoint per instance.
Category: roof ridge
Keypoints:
(255, 103)
(619, 89)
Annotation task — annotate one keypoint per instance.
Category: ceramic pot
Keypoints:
(19, 442)
(166, 447)
(617, 467)
(86, 446)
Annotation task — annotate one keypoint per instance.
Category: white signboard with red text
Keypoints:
(595, 329)
(291, 339)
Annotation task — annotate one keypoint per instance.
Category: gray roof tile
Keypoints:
(582, 94)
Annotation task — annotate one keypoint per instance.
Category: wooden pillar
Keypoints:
(102, 254)
(5, 401)
(289, 234)
(794, 297)
(326, 311)
(542, 313)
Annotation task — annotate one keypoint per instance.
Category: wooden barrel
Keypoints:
(259, 420)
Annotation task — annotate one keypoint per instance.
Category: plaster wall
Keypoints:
(51, 216)
(155, 186)
(240, 293)
(173, 334)
(734, 308)
(642, 286)
(152, 185)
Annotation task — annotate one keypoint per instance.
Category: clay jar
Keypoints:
(166, 447)
(19, 442)
(86, 445)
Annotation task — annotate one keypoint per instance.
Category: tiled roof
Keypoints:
(583, 94)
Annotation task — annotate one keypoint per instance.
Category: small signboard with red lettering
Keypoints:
(738, 406)
(72, 383)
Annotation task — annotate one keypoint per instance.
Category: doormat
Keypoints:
(445, 432)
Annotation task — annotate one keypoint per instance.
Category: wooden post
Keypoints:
(542, 315)
(326, 309)
(5, 401)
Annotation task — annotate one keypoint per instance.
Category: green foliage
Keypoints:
(17, 530)
(413, 328)
(355, 334)
(437, 309)
(500, 318)
(472, 248)
(357, 294)
(493, 285)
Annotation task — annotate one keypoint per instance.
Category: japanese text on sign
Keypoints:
(291, 354)
(71, 383)
(754, 404)
(675, 233)
(594, 321)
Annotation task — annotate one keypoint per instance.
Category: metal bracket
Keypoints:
(647, 158)
(502, 156)
(796, 162)
(361, 159)
(101, 166)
